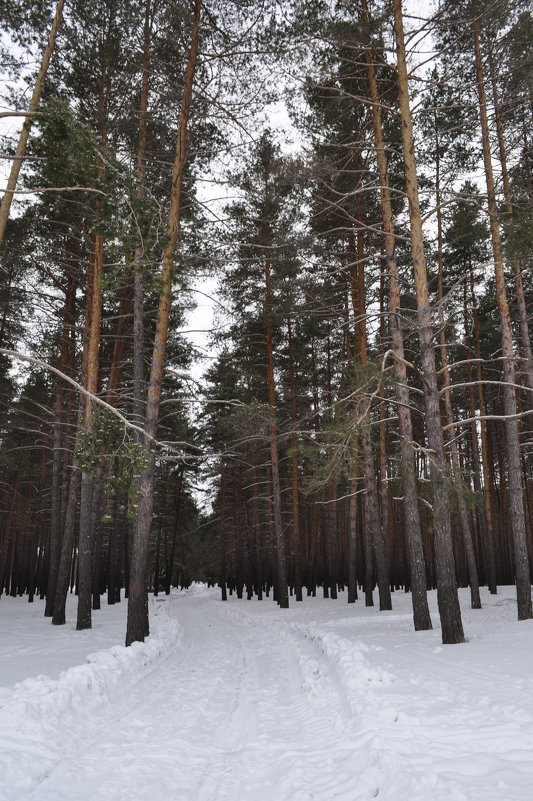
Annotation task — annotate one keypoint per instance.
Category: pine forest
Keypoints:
(266, 281)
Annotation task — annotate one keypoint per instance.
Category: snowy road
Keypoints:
(245, 702)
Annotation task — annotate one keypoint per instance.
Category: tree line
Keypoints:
(365, 421)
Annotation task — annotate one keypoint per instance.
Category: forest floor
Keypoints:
(241, 701)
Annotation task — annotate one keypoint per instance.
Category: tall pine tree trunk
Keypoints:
(85, 549)
(139, 389)
(294, 464)
(466, 529)
(517, 271)
(137, 614)
(486, 535)
(486, 455)
(282, 595)
(421, 616)
(448, 601)
(57, 459)
(516, 499)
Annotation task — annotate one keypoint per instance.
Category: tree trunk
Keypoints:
(516, 501)
(352, 541)
(20, 151)
(486, 455)
(223, 545)
(519, 286)
(67, 546)
(475, 600)
(169, 567)
(137, 622)
(294, 460)
(281, 570)
(113, 583)
(139, 387)
(448, 601)
(57, 458)
(486, 535)
(374, 539)
(85, 550)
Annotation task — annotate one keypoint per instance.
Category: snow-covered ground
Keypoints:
(246, 702)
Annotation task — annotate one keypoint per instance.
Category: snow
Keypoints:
(247, 702)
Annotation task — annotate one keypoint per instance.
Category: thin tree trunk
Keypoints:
(383, 487)
(169, 567)
(486, 536)
(330, 517)
(5, 542)
(113, 586)
(297, 556)
(20, 151)
(486, 455)
(352, 541)
(257, 537)
(222, 582)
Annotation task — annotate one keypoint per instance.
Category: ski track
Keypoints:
(250, 705)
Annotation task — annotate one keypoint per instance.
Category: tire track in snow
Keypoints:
(254, 706)
(158, 738)
(314, 754)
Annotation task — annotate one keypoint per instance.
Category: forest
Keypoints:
(347, 185)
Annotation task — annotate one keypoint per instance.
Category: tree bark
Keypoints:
(516, 499)
(294, 460)
(137, 622)
(523, 324)
(67, 546)
(139, 387)
(57, 458)
(85, 549)
(486, 534)
(281, 569)
(223, 544)
(448, 601)
(16, 164)
(486, 455)
(466, 529)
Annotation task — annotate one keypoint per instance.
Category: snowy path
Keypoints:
(244, 702)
